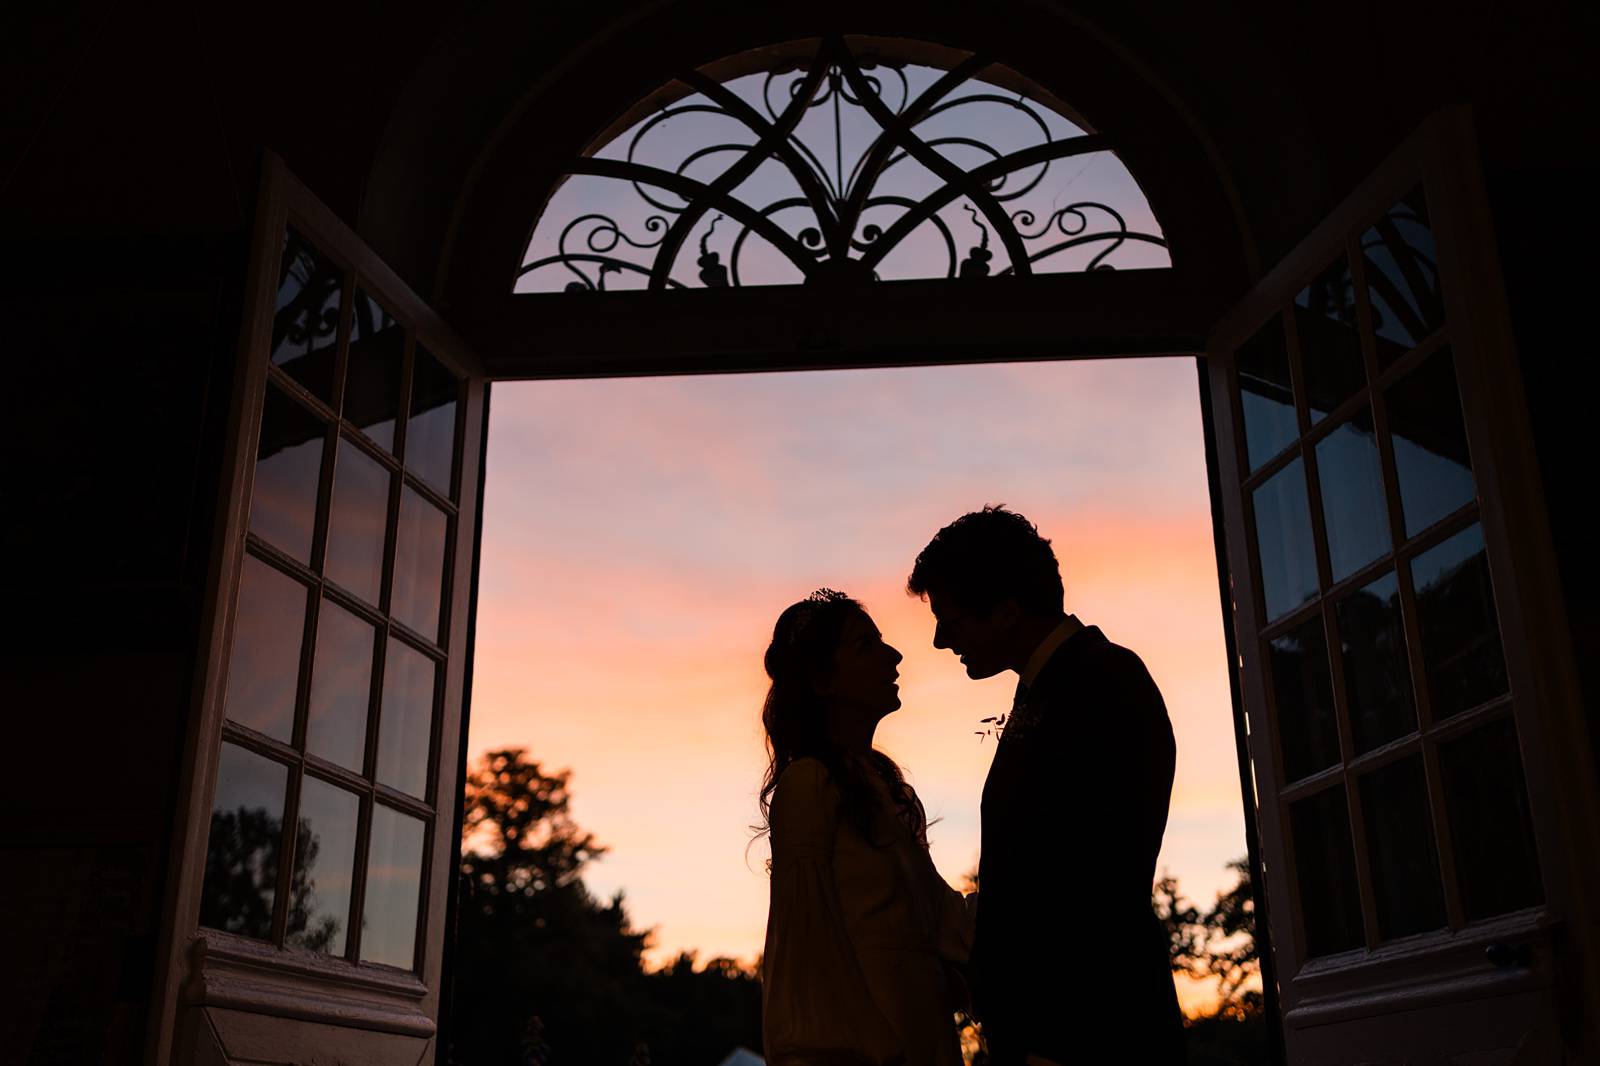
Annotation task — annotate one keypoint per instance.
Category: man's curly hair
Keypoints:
(988, 556)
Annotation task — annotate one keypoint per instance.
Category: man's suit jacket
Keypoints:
(1069, 960)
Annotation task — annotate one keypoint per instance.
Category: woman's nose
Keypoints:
(894, 654)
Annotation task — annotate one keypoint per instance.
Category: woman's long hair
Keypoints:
(803, 652)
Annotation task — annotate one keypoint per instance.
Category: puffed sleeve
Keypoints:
(955, 924)
(815, 1007)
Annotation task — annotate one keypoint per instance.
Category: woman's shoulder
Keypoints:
(805, 776)
(805, 789)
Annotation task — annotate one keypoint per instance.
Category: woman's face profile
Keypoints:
(865, 672)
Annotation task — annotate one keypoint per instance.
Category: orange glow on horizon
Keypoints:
(641, 537)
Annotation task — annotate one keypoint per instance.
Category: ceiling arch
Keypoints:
(550, 93)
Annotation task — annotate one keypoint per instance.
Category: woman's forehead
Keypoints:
(858, 625)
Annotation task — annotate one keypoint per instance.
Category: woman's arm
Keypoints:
(816, 1006)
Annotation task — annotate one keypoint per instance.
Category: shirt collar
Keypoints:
(1047, 647)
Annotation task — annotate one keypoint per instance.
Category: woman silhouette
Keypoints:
(862, 931)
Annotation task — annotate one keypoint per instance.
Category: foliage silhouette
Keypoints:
(241, 874)
(1219, 943)
(546, 974)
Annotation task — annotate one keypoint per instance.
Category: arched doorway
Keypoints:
(1338, 936)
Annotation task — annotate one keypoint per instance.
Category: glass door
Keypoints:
(319, 841)
(1410, 813)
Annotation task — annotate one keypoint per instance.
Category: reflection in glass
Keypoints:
(324, 864)
(1283, 536)
(242, 851)
(1491, 831)
(405, 719)
(431, 429)
(1303, 693)
(394, 889)
(305, 326)
(283, 499)
(357, 520)
(1402, 277)
(1377, 678)
(1460, 629)
(1325, 863)
(1330, 339)
(1353, 505)
(372, 380)
(1430, 443)
(341, 687)
(264, 671)
(1266, 395)
(418, 564)
(1400, 844)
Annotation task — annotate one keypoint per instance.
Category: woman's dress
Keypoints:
(858, 937)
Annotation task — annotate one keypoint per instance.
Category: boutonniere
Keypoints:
(1015, 722)
(993, 726)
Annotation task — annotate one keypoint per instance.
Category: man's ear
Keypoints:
(1008, 613)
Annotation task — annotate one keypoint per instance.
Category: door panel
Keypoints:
(1427, 835)
(317, 840)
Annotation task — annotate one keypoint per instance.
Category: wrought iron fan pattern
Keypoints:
(938, 165)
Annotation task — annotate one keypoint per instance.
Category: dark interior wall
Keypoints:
(120, 353)
(1542, 231)
(129, 150)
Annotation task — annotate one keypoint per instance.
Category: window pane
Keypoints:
(1303, 693)
(1400, 845)
(1330, 339)
(1353, 505)
(1283, 535)
(341, 687)
(1490, 827)
(1402, 277)
(405, 722)
(283, 500)
(372, 381)
(242, 852)
(1325, 862)
(394, 889)
(305, 327)
(418, 564)
(1430, 443)
(1265, 394)
(1377, 678)
(356, 523)
(264, 672)
(1460, 629)
(431, 430)
(324, 864)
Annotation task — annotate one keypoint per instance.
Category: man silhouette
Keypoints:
(1070, 964)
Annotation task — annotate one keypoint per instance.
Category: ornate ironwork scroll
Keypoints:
(851, 165)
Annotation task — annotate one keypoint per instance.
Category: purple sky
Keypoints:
(641, 536)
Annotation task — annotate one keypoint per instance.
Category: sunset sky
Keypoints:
(642, 535)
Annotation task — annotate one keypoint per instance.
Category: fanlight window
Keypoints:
(841, 159)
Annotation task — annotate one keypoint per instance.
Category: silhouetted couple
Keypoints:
(869, 953)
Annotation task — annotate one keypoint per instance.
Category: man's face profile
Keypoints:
(977, 638)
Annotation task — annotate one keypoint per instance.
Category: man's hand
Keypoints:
(1039, 1060)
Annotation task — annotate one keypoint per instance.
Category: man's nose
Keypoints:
(939, 639)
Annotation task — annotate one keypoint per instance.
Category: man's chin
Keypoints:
(979, 671)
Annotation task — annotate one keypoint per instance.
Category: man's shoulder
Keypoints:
(1086, 653)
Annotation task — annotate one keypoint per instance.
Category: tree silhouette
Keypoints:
(241, 875)
(548, 974)
(241, 871)
(1218, 943)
